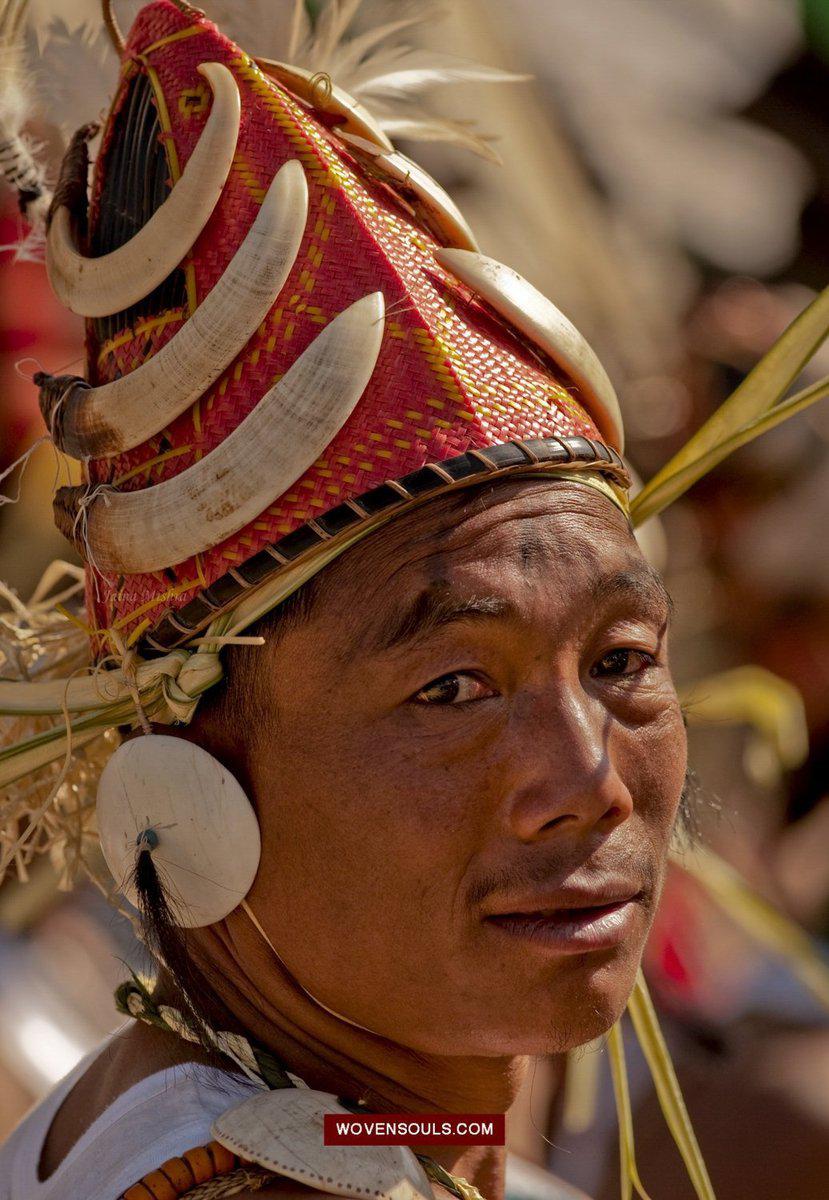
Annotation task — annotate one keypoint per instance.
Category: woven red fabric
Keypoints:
(450, 376)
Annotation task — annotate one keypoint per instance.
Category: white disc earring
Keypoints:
(203, 832)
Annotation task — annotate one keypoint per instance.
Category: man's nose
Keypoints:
(568, 779)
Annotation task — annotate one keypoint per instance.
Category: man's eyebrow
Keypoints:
(641, 583)
(436, 607)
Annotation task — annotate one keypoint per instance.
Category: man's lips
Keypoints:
(573, 920)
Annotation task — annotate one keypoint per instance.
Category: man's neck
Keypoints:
(331, 1055)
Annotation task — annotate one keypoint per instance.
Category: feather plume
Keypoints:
(405, 71)
(79, 75)
(19, 159)
(388, 76)
(65, 51)
(331, 26)
(419, 125)
(64, 46)
(56, 68)
(356, 49)
(13, 98)
(81, 17)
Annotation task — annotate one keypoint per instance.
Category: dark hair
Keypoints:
(189, 991)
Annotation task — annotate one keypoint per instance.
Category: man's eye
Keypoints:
(456, 688)
(622, 662)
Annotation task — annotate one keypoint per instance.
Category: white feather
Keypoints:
(67, 54)
(70, 61)
(76, 74)
(416, 70)
(394, 76)
(419, 125)
(331, 26)
(19, 158)
(13, 100)
(356, 49)
(77, 16)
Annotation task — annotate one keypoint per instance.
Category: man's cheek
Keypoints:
(656, 769)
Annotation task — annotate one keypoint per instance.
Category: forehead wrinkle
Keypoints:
(442, 526)
(441, 594)
(408, 556)
(437, 569)
(436, 552)
(444, 600)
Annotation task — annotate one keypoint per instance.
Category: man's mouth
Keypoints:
(601, 921)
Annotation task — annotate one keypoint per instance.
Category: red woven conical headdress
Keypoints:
(446, 375)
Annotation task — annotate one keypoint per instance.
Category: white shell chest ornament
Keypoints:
(283, 1131)
(282, 1127)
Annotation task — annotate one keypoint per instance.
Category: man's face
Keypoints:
(471, 771)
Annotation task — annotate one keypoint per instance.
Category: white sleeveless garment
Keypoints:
(159, 1118)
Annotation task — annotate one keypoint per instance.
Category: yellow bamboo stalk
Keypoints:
(675, 479)
(646, 1025)
(628, 1170)
(760, 391)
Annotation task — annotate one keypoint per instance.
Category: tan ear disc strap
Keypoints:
(554, 454)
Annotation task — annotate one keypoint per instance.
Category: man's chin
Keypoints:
(573, 1008)
(584, 1007)
(536, 1024)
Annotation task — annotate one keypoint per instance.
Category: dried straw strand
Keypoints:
(112, 27)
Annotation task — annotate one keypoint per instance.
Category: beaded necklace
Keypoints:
(258, 1064)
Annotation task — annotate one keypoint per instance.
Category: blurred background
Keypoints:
(665, 181)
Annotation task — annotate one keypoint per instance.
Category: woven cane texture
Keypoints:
(245, 1179)
(450, 376)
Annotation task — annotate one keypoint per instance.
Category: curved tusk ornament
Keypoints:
(98, 422)
(538, 319)
(438, 208)
(320, 93)
(132, 532)
(100, 287)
